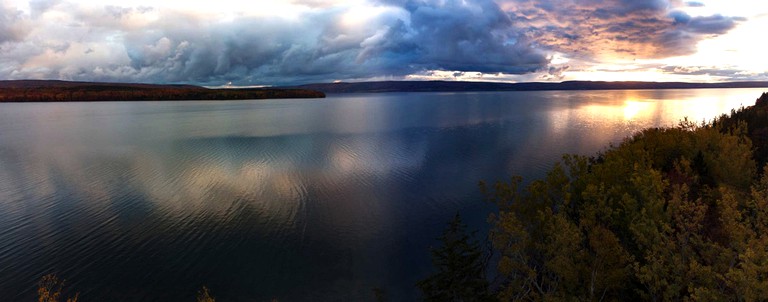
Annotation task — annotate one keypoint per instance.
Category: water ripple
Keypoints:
(294, 200)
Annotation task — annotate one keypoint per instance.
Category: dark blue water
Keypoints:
(298, 200)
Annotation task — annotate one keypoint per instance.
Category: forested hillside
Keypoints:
(669, 214)
(61, 91)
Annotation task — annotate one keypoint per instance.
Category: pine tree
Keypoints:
(460, 268)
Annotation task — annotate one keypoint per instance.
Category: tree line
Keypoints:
(95, 93)
(676, 213)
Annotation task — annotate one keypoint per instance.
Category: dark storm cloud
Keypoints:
(402, 38)
(412, 37)
(616, 28)
(460, 36)
(331, 41)
(257, 51)
(184, 48)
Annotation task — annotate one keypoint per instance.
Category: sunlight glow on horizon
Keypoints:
(107, 29)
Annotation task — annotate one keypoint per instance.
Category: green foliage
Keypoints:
(460, 268)
(669, 214)
(753, 122)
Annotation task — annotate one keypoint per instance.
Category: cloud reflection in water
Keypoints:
(294, 199)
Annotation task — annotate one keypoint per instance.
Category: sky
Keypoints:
(286, 42)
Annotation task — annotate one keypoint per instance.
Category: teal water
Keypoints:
(298, 200)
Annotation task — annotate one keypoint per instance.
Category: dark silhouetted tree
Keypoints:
(460, 268)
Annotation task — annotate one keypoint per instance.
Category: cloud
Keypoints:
(39, 7)
(387, 38)
(555, 72)
(13, 24)
(730, 73)
(711, 25)
(326, 40)
(629, 29)
(460, 36)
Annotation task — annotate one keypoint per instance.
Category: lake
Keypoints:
(297, 200)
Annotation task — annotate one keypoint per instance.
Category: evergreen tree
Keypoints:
(460, 268)
(670, 214)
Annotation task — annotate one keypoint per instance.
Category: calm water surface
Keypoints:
(299, 200)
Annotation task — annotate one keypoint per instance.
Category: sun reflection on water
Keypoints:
(346, 187)
(637, 109)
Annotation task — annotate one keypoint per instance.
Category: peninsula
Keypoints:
(64, 91)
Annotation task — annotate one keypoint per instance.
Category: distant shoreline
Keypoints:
(451, 86)
(23, 91)
(66, 91)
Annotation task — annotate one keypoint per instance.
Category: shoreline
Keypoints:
(32, 91)
(456, 86)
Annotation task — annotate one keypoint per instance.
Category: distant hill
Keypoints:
(64, 91)
(454, 86)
